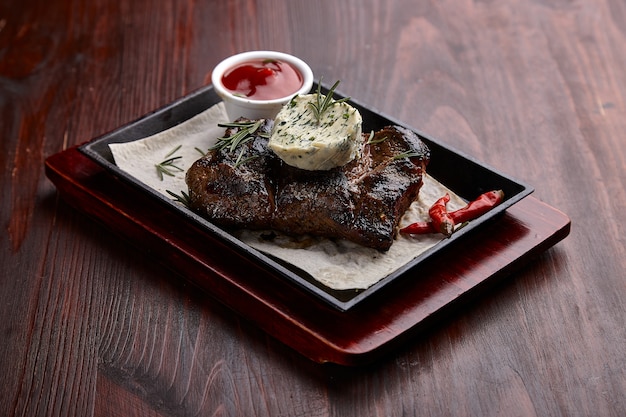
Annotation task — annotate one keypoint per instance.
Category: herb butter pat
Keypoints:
(302, 140)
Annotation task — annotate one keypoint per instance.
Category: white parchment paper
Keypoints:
(339, 265)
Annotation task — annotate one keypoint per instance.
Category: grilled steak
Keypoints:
(362, 201)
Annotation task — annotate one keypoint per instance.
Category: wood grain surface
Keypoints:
(537, 89)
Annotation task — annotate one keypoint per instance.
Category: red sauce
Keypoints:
(262, 79)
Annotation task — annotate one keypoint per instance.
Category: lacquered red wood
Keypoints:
(309, 326)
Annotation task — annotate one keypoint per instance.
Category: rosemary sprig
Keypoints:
(244, 134)
(407, 154)
(241, 160)
(168, 165)
(322, 104)
(183, 198)
(371, 141)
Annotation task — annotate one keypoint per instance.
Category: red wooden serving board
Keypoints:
(311, 327)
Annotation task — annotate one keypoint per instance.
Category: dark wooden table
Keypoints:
(90, 325)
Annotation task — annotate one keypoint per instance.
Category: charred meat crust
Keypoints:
(362, 201)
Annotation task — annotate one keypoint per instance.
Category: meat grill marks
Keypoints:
(362, 201)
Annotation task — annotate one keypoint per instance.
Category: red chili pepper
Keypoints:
(418, 228)
(472, 210)
(478, 207)
(438, 212)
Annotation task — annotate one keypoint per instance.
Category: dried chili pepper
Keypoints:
(418, 228)
(438, 212)
(472, 210)
(478, 207)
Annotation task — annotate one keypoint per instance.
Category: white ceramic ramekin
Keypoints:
(237, 106)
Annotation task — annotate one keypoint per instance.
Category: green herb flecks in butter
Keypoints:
(311, 141)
